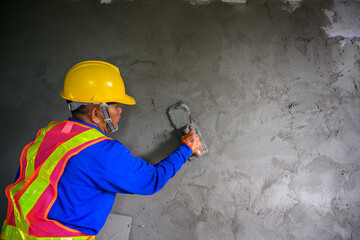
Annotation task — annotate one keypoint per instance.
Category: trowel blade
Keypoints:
(180, 117)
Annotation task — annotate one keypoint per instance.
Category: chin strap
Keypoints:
(104, 108)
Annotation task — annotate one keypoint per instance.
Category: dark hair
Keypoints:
(82, 110)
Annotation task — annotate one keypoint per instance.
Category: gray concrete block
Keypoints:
(117, 227)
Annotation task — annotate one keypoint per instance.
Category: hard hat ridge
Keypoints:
(94, 82)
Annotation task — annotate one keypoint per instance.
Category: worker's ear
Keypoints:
(95, 115)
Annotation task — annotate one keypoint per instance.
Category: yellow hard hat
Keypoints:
(95, 82)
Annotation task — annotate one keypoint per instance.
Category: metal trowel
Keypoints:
(182, 119)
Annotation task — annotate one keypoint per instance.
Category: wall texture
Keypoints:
(275, 96)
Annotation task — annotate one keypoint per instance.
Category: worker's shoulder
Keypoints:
(110, 146)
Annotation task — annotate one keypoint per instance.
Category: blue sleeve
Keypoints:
(17, 175)
(18, 172)
(119, 171)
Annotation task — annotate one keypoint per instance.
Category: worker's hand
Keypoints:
(192, 140)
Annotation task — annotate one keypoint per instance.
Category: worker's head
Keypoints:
(95, 89)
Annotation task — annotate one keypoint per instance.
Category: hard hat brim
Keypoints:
(95, 82)
(127, 100)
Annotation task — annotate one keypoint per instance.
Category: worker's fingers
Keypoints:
(192, 140)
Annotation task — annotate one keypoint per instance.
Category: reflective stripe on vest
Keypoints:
(14, 233)
(42, 163)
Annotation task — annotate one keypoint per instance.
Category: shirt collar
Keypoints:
(87, 124)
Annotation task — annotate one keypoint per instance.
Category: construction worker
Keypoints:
(70, 173)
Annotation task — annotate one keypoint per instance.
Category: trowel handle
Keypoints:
(202, 151)
(186, 130)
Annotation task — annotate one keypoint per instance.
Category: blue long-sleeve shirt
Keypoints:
(91, 179)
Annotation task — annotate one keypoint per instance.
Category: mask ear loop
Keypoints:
(104, 108)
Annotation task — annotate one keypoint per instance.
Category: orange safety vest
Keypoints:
(42, 163)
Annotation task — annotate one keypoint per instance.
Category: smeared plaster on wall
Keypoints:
(105, 1)
(193, 2)
(234, 1)
(117, 227)
(344, 19)
(291, 5)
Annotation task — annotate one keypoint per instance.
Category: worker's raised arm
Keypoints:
(117, 170)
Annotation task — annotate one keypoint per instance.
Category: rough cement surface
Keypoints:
(117, 227)
(180, 116)
(344, 18)
(277, 96)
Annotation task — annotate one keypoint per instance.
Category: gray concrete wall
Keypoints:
(276, 98)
